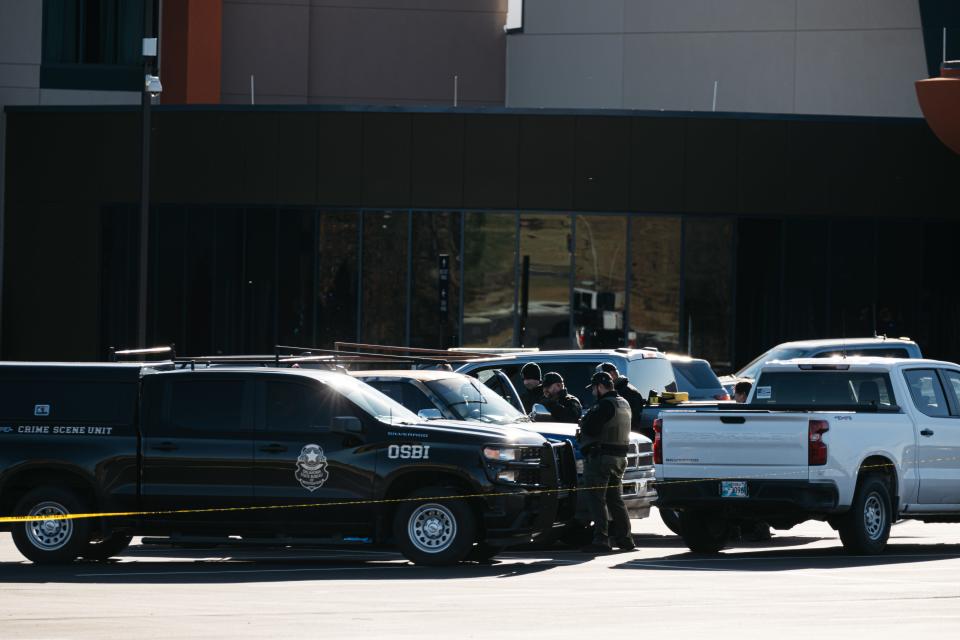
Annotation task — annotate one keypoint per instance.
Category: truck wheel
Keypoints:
(671, 518)
(104, 549)
(703, 533)
(435, 532)
(866, 527)
(51, 541)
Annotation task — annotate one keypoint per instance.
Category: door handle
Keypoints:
(927, 432)
(273, 448)
(732, 419)
(165, 446)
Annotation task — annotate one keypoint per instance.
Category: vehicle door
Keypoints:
(947, 440)
(500, 383)
(306, 461)
(938, 440)
(198, 446)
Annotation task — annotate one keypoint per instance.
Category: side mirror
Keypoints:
(429, 414)
(346, 424)
(540, 412)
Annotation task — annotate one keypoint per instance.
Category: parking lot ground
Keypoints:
(798, 585)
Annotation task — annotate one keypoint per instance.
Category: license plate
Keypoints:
(733, 489)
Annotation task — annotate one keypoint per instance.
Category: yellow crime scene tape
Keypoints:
(382, 501)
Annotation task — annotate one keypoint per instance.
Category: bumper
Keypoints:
(765, 497)
(639, 492)
(517, 517)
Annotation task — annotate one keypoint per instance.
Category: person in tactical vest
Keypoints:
(627, 391)
(563, 406)
(604, 440)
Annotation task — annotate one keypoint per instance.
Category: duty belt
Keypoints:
(609, 450)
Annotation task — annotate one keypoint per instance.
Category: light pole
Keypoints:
(151, 88)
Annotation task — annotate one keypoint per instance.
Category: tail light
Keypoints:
(816, 447)
(722, 396)
(658, 441)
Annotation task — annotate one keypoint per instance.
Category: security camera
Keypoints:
(151, 85)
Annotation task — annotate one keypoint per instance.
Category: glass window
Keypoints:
(489, 279)
(708, 278)
(337, 277)
(600, 284)
(228, 287)
(545, 247)
(655, 254)
(384, 277)
(952, 381)
(207, 404)
(406, 393)
(866, 351)
(371, 401)
(813, 388)
(260, 281)
(471, 400)
(296, 263)
(926, 392)
(698, 373)
(435, 303)
(295, 406)
(651, 374)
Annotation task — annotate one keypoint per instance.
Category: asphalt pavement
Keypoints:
(798, 585)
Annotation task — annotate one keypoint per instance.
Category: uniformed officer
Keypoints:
(627, 391)
(604, 439)
(532, 387)
(562, 405)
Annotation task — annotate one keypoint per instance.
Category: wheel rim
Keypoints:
(874, 516)
(432, 528)
(49, 535)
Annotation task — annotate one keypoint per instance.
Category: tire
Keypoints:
(110, 546)
(435, 532)
(864, 529)
(703, 533)
(671, 518)
(51, 541)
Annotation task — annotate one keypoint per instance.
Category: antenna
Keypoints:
(456, 90)
(717, 82)
(252, 92)
(944, 45)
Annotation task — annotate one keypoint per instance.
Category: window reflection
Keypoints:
(384, 277)
(435, 234)
(545, 244)
(599, 290)
(655, 257)
(337, 277)
(708, 274)
(295, 264)
(489, 279)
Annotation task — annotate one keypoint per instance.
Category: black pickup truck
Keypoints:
(283, 454)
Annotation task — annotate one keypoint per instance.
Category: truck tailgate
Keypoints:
(736, 445)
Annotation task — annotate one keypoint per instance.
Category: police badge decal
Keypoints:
(312, 467)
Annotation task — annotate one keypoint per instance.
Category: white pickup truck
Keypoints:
(857, 442)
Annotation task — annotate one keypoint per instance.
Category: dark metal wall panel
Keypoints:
(763, 170)
(546, 162)
(490, 160)
(657, 157)
(339, 151)
(710, 183)
(387, 140)
(601, 181)
(296, 161)
(437, 161)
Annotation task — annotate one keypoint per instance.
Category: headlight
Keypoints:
(501, 454)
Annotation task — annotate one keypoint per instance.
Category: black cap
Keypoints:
(530, 371)
(609, 367)
(552, 377)
(601, 377)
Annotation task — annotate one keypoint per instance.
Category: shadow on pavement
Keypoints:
(780, 559)
(165, 565)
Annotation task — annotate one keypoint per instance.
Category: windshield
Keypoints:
(777, 353)
(372, 401)
(698, 373)
(469, 399)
